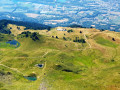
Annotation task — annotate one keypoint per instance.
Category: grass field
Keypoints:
(68, 65)
(105, 42)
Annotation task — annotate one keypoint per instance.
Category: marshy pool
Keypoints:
(9, 44)
(30, 78)
(14, 43)
(39, 65)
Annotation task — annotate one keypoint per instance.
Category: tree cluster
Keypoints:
(28, 25)
(34, 36)
(76, 26)
(64, 38)
(69, 31)
(3, 28)
(55, 37)
(79, 40)
(18, 28)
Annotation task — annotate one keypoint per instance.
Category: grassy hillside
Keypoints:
(27, 25)
(93, 64)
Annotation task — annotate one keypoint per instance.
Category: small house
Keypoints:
(61, 29)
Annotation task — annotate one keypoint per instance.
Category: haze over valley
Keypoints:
(101, 14)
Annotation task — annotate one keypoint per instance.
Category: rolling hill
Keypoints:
(27, 25)
(75, 59)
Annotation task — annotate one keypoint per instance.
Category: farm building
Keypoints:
(61, 29)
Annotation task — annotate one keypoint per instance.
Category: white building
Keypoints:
(61, 29)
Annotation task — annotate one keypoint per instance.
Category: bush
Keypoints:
(75, 26)
(80, 31)
(57, 37)
(113, 39)
(70, 31)
(32, 75)
(2, 73)
(34, 36)
(79, 40)
(64, 38)
(18, 28)
(102, 30)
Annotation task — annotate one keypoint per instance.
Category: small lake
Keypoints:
(40, 65)
(14, 43)
(30, 78)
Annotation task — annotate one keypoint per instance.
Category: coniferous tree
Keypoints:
(64, 38)
(80, 31)
(113, 39)
(52, 36)
(57, 37)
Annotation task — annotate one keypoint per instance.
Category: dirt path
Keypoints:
(43, 83)
(14, 69)
(45, 54)
(87, 41)
(31, 57)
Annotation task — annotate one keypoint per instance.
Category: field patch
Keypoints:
(105, 42)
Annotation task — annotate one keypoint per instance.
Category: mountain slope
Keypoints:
(67, 64)
(27, 25)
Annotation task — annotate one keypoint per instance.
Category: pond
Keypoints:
(14, 43)
(30, 78)
(39, 65)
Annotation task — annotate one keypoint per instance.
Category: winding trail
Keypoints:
(45, 54)
(14, 69)
(87, 41)
(43, 83)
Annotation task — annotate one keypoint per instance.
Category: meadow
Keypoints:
(68, 65)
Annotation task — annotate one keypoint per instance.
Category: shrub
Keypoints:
(18, 28)
(34, 36)
(113, 39)
(75, 26)
(79, 40)
(80, 31)
(70, 31)
(64, 38)
(57, 37)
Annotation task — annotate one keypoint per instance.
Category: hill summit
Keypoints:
(27, 25)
